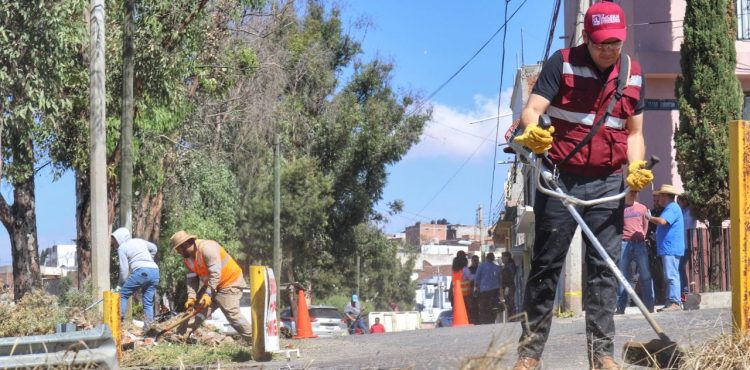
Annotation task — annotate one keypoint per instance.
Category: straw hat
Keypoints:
(180, 237)
(667, 189)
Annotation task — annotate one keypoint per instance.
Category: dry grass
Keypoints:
(180, 355)
(36, 313)
(721, 353)
(491, 359)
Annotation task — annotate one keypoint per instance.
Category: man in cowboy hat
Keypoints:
(670, 244)
(209, 264)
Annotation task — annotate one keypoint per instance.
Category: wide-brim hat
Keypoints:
(667, 189)
(180, 237)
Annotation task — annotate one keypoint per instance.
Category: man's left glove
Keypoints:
(204, 302)
(536, 138)
(639, 176)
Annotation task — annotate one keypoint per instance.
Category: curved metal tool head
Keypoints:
(658, 353)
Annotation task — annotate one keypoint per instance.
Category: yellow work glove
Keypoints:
(639, 176)
(205, 301)
(189, 303)
(536, 138)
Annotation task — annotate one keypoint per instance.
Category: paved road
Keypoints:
(448, 348)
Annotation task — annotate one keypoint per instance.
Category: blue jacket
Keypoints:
(488, 277)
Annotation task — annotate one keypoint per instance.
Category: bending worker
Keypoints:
(209, 264)
(594, 96)
(137, 271)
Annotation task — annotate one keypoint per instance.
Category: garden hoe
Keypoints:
(663, 352)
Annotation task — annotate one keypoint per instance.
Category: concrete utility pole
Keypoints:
(97, 153)
(572, 283)
(126, 127)
(277, 216)
(480, 225)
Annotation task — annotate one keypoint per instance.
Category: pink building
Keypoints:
(654, 39)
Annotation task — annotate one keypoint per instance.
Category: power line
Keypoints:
(453, 176)
(499, 105)
(424, 101)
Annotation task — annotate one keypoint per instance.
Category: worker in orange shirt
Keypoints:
(209, 264)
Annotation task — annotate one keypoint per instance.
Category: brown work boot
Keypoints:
(605, 363)
(526, 363)
(670, 308)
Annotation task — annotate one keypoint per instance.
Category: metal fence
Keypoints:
(93, 348)
(709, 264)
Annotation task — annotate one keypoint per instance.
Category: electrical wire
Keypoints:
(453, 176)
(418, 108)
(497, 124)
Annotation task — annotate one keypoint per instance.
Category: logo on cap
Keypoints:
(601, 19)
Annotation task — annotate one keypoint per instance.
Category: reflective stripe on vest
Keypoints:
(466, 287)
(580, 102)
(229, 269)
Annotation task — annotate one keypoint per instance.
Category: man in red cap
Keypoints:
(593, 96)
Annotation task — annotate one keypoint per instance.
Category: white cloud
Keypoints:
(450, 134)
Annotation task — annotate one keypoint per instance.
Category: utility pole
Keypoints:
(358, 272)
(277, 215)
(97, 153)
(572, 281)
(480, 225)
(126, 127)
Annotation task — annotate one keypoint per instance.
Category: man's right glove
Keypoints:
(190, 303)
(205, 301)
(639, 176)
(536, 138)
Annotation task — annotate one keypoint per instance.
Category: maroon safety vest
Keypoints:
(580, 103)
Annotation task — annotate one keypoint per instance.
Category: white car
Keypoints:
(219, 321)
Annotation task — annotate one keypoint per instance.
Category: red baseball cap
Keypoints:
(605, 20)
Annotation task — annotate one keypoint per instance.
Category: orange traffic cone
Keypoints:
(460, 318)
(304, 326)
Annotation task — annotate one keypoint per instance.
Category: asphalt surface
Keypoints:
(449, 348)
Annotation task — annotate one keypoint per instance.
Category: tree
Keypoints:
(709, 96)
(39, 60)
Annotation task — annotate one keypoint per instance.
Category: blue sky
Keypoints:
(449, 173)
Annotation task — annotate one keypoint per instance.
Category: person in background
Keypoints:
(467, 288)
(509, 283)
(690, 225)
(657, 270)
(137, 271)
(377, 327)
(487, 281)
(353, 311)
(457, 268)
(670, 242)
(634, 250)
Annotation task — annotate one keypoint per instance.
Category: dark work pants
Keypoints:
(489, 301)
(554, 230)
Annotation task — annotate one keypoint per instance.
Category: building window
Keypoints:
(746, 107)
(661, 104)
(743, 19)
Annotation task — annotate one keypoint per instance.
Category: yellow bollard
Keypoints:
(257, 304)
(739, 190)
(111, 308)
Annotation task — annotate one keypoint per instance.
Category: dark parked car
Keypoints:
(445, 319)
(327, 321)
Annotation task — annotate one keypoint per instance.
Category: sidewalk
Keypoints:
(708, 301)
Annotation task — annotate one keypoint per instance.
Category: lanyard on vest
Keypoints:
(622, 82)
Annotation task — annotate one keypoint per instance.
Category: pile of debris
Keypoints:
(134, 337)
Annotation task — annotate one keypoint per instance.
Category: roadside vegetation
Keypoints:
(215, 83)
